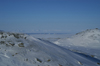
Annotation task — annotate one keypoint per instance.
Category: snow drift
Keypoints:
(23, 50)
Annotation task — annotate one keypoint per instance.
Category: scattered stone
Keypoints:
(60, 65)
(26, 59)
(2, 36)
(80, 63)
(7, 45)
(16, 35)
(38, 60)
(16, 53)
(12, 55)
(92, 56)
(21, 45)
(11, 44)
(98, 63)
(25, 38)
(48, 60)
(2, 42)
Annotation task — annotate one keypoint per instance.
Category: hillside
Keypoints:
(87, 42)
(22, 50)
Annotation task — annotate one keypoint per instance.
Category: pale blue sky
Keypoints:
(49, 15)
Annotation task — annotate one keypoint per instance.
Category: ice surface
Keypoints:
(23, 50)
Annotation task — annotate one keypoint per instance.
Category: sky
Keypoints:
(65, 16)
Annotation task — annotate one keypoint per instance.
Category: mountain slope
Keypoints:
(23, 50)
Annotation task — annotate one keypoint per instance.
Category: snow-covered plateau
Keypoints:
(18, 49)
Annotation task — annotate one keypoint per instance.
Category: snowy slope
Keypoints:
(23, 50)
(86, 41)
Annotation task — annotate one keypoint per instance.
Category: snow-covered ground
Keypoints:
(87, 42)
(24, 50)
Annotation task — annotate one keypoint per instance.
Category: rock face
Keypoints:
(22, 50)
